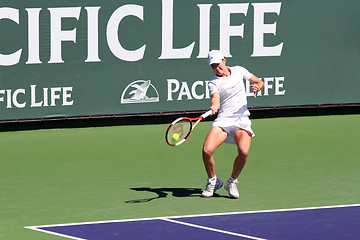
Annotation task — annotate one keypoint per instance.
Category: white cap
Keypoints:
(215, 56)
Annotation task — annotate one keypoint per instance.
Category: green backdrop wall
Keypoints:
(88, 58)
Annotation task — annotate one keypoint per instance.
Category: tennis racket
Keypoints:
(180, 129)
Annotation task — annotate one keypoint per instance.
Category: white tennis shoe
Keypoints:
(212, 187)
(231, 187)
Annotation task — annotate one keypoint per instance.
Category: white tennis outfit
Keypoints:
(233, 112)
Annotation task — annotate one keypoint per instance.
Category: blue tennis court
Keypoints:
(330, 223)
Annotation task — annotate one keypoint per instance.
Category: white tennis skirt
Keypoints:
(231, 126)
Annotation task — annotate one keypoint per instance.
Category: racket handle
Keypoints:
(208, 113)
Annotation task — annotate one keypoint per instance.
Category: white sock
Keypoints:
(213, 179)
(233, 179)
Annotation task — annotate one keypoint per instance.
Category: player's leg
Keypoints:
(243, 141)
(215, 137)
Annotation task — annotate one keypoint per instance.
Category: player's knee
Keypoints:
(243, 152)
(207, 152)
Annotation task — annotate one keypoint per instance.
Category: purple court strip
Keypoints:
(321, 223)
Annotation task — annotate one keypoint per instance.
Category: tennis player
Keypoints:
(232, 125)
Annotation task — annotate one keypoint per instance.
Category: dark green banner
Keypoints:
(89, 58)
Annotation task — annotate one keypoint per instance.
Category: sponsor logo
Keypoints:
(35, 97)
(54, 17)
(199, 90)
(140, 91)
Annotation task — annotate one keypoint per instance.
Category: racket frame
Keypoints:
(192, 126)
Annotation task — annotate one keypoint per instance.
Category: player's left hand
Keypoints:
(256, 88)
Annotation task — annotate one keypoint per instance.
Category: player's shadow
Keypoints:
(164, 192)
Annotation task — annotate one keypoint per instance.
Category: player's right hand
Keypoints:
(214, 109)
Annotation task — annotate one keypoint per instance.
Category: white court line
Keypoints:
(38, 228)
(54, 233)
(213, 229)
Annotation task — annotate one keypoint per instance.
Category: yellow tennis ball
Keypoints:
(175, 137)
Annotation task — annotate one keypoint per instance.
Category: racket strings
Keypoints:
(182, 127)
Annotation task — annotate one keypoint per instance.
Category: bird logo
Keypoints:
(140, 91)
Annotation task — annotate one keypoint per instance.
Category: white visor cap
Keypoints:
(215, 56)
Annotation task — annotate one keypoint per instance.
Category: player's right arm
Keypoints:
(215, 102)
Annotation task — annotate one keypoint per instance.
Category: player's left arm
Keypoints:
(257, 84)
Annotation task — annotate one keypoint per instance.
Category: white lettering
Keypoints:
(46, 98)
(268, 83)
(204, 31)
(33, 97)
(184, 91)
(207, 91)
(57, 34)
(172, 90)
(193, 90)
(8, 98)
(93, 34)
(112, 33)
(14, 58)
(206, 17)
(279, 83)
(15, 100)
(199, 90)
(260, 29)
(2, 97)
(54, 95)
(33, 35)
(226, 30)
(168, 51)
(66, 96)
